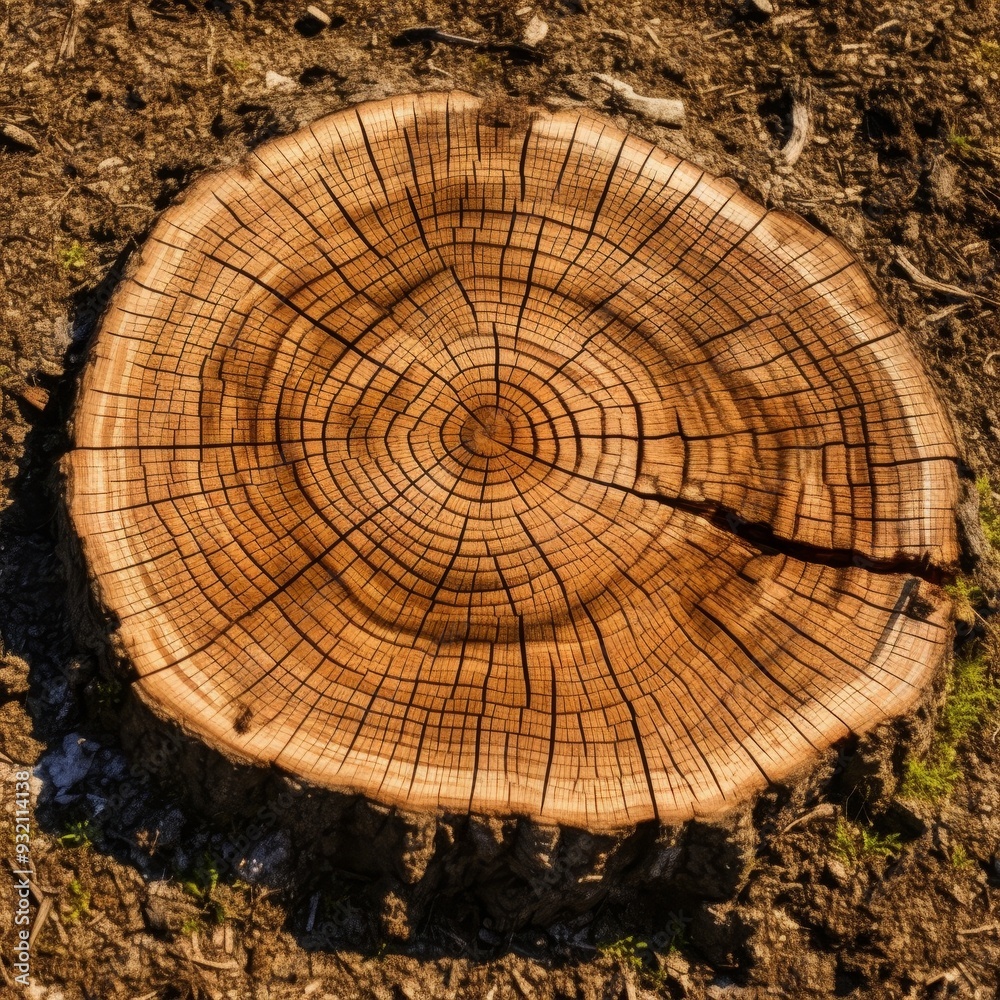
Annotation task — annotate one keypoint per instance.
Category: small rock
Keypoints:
(19, 137)
(111, 161)
(266, 860)
(838, 873)
(315, 20)
(535, 32)
(760, 8)
(66, 767)
(319, 15)
(275, 81)
(166, 908)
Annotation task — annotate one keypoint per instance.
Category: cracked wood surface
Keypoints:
(517, 469)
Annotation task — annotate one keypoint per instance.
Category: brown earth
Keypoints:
(109, 110)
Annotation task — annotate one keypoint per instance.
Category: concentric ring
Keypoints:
(513, 470)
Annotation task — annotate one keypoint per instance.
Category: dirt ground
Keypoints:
(107, 110)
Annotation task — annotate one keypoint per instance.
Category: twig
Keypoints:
(207, 963)
(67, 47)
(985, 929)
(515, 50)
(923, 281)
(44, 909)
(943, 314)
(823, 811)
(658, 109)
(792, 149)
(437, 69)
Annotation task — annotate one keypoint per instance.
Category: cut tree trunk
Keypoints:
(510, 469)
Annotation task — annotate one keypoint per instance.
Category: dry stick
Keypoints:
(67, 48)
(984, 929)
(44, 909)
(664, 110)
(923, 281)
(823, 811)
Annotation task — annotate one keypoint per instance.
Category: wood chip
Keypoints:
(792, 149)
(67, 47)
(320, 15)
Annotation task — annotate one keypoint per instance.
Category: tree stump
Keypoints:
(510, 469)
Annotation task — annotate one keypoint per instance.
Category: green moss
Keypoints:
(989, 511)
(932, 777)
(966, 598)
(79, 902)
(970, 697)
(960, 859)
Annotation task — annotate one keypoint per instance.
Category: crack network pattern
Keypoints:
(510, 469)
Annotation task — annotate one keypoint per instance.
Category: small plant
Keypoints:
(933, 777)
(626, 950)
(989, 511)
(636, 955)
(191, 926)
(854, 843)
(240, 65)
(959, 143)
(79, 900)
(74, 256)
(970, 696)
(77, 834)
(200, 885)
(674, 935)
(960, 859)
(108, 693)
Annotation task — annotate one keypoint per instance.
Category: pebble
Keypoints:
(19, 137)
(762, 8)
(317, 14)
(275, 81)
(535, 32)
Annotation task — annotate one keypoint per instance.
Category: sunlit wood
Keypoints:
(516, 469)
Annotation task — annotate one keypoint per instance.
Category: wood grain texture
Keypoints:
(515, 470)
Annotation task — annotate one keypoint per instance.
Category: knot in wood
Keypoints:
(488, 432)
